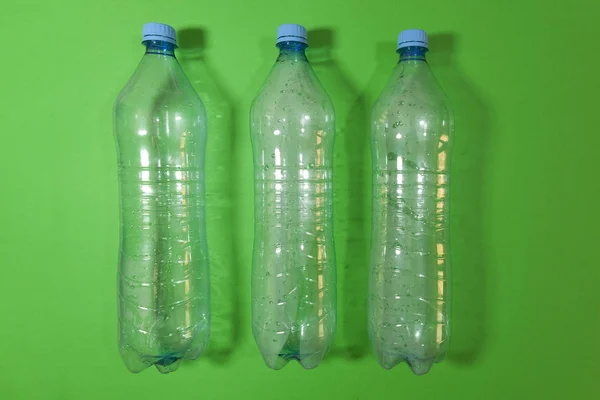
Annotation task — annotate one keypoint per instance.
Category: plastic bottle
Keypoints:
(412, 128)
(160, 128)
(293, 277)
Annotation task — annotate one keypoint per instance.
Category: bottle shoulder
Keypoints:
(290, 83)
(293, 102)
(412, 110)
(158, 84)
(411, 97)
(142, 98)
(158, 103)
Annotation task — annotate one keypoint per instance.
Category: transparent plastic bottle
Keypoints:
(293, 277)
(163, 281)
(412, 128)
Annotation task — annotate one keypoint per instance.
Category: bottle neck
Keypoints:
(160, 47)
(413, 53)
(291, 51)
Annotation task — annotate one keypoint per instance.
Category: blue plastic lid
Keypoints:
(291, 33)
(412, 37)
(158, 31)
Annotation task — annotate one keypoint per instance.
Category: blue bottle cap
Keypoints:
(157, 31)
(412, 37)
(291, 33)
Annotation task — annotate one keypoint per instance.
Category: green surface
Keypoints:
(523, 79)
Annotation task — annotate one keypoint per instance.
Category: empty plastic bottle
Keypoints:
(293, 277)
(412, 128)
(160, 128)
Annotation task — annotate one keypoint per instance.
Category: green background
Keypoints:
(523, 79)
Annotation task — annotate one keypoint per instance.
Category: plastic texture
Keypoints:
(412, 37)
(163, 280)
(294, 275)
(158, 31)
(409, 303)
(291, 33)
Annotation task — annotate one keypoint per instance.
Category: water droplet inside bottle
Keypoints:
(401, 103)
(311, 165)
(391, 156)
(397, 124)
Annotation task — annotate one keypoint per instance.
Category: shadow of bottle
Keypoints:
(467, 234)
(224, 274)
(351, 191)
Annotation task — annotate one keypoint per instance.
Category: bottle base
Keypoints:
(279, 359)
(165, 364)
(418, 365)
